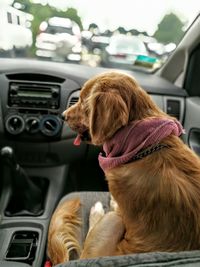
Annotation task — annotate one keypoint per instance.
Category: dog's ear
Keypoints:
(109, 112)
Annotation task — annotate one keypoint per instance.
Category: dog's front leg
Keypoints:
(104, 237)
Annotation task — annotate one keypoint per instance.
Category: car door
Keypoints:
(183, 70)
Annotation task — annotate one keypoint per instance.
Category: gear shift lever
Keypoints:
(26, 196)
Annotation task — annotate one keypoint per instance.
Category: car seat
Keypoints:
(161, 259)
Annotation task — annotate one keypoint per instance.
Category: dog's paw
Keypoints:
(113, 204)
(96, 213)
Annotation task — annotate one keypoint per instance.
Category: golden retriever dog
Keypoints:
(152, 175)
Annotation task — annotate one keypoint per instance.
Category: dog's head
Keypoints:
(108, 102)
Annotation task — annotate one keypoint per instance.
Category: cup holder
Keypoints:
(22, 247)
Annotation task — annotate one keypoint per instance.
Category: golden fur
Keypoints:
(158, 196)
(64, 232)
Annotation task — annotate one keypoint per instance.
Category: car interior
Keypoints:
(38, 160)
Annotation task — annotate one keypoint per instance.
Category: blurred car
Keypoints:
(59, 39)
(16, 36)
(123, 51)
(98, 42)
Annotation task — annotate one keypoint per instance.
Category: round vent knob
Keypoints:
(32, 125)
(15, 124)
(50, 125)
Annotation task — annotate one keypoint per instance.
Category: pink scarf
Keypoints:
(129, 140)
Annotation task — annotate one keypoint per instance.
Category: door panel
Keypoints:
(192, 123)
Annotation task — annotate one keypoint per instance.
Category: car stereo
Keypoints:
(33, 109)
(34, 95)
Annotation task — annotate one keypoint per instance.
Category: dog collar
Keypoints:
(148, 151)
(130, 142)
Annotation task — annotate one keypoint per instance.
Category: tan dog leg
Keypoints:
(113, 204)
(96, 213)
(104, 237)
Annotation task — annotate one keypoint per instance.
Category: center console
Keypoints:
(23, 237)
(31, 119)
(32, 182)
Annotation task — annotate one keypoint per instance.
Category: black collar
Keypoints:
(147, 151)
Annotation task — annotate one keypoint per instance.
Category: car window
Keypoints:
(9, 16)
(93, 32)
(58, 29)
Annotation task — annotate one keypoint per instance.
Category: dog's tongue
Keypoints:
(77, 140)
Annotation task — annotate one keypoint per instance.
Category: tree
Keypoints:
(134, 31)
(170, 29)
(107, 33)
(94, 28)
(72, 14)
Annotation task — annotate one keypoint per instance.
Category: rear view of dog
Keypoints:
(153, 176)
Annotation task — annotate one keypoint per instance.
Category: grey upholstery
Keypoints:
(13, 264)
(183, 259)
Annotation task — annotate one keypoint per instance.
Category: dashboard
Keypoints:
(35, 93)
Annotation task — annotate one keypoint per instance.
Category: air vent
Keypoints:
(73, 99)
(173, 108)
(34, 77)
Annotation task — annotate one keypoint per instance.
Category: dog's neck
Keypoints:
(138, 135)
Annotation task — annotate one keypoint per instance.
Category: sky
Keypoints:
(143, 15)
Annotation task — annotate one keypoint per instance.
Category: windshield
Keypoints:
(126, 34)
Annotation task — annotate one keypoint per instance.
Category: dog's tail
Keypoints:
(64, 232)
